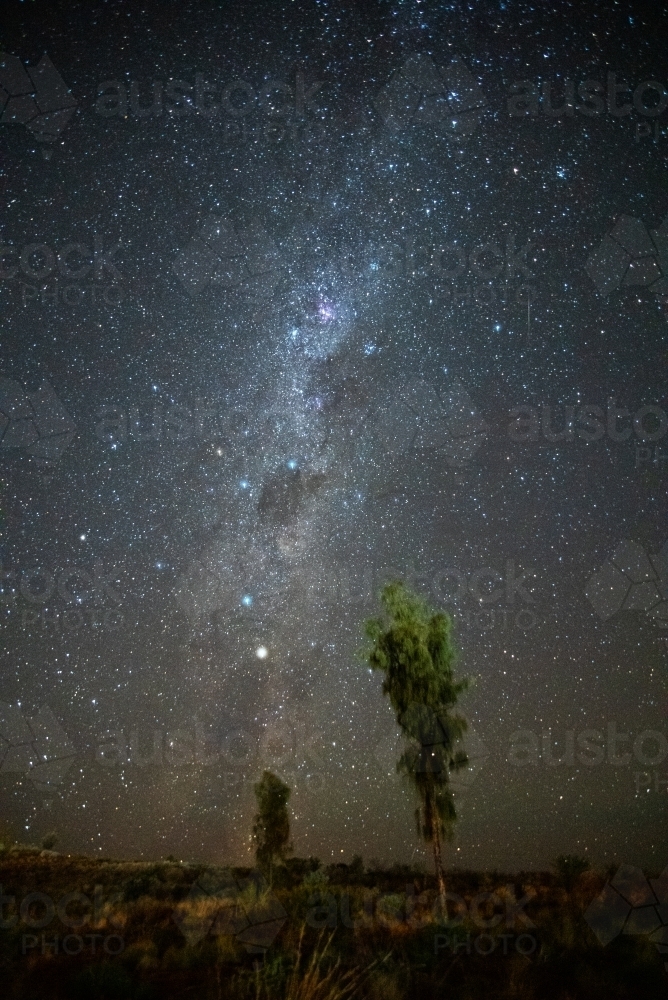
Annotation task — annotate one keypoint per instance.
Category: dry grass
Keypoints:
(309, 981)
(382, 947)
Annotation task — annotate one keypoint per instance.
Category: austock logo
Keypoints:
(63, 600)
(219, 255)
(483, 274)
(631, 580)
(74, 910)
(35, 96)
(632, 904)
(594, 98)
(71, 274)
(426, 418)
(243, 908)
(630, 256)
(36, 422)
(448, 100)
(37, 748)
(214, 99)
(426, 732)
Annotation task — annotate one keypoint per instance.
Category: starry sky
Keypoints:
(277, 293)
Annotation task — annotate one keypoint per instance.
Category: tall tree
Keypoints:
(412, 646)
(271, 828)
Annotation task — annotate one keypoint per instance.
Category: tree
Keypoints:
(271, 828)
(569, 867)
(412, 646)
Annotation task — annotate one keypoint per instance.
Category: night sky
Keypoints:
(295, 299)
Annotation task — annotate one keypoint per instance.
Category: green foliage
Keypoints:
(271, 829)
(316, 880)
(50, 841)
(146, 883)
(413, 648)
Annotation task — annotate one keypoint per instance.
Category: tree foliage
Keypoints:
(271, 829)
(413, 648)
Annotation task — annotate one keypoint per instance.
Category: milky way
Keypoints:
(295, 303)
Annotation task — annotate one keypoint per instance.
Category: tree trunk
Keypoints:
(438, 863)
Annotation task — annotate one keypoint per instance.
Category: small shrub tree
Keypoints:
(271, 829)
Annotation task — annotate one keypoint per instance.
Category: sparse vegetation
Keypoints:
(76, 928)
(345, 932)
